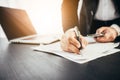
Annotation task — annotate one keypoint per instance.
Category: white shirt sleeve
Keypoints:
(117, 28)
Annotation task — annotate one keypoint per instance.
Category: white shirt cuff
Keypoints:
(117, 28)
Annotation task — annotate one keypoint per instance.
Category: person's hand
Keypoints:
(69, 42)
(109, 34)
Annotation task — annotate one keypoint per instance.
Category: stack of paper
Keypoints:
(91, 52)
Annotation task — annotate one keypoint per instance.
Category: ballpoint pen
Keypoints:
(96, 35)
(77, 32)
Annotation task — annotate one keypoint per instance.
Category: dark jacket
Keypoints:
(89, 7)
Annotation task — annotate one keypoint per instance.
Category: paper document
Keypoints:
(91, 52)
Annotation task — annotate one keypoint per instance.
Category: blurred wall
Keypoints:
(44, 14)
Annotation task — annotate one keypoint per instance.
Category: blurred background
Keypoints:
(45, 15)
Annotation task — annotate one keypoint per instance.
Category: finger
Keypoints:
(84, 42)
(72, 48)
(103, 39)
(101, 30)
(75, 42)
(109, 36)
(67, 46)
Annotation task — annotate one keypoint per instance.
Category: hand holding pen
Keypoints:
(70, 41)
(79, 37)
(106, 34)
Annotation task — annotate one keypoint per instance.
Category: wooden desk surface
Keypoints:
(20, 62)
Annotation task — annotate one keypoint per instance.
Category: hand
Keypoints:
(109, 34)
(69, 42)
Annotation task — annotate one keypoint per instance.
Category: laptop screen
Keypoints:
(15, 23)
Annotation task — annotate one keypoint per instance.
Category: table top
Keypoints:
(20, 62)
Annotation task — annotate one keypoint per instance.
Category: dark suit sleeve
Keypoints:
(69, 14)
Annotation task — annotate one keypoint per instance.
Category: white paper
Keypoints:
(91, 52)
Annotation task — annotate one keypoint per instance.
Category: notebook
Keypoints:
(18, 28)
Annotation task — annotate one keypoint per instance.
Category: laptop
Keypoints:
(19, 29)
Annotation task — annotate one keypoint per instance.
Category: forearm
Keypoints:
(69, 14)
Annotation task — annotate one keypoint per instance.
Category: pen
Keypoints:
(77, 32)
(96, 35)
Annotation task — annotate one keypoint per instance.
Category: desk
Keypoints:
(20, 62)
